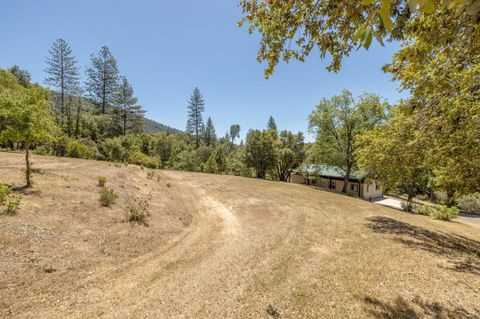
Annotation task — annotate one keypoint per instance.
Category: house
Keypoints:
(332, 178)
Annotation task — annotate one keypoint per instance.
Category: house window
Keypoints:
(333, 185)
(377, 187)
(352, 187)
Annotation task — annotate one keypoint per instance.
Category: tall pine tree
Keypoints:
(209, 135)
(195, 108)
(234, 133)
(129, 111)
(102, 79)
(271, 125)
(63, 73)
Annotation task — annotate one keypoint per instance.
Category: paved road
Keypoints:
(390, 202)
(471, 219)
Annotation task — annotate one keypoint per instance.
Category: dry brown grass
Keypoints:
(223, 247)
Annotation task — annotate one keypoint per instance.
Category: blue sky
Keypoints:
(166, 48)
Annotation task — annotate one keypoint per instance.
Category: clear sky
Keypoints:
(166, 48)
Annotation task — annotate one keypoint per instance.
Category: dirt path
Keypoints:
(170, 280)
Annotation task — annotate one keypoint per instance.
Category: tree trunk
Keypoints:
(124, 122)
(27, 165)
(77, 123)
(345, 180)
(450, 199)
(410, 195)
(62, 89)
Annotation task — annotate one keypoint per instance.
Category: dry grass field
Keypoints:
(222, 247)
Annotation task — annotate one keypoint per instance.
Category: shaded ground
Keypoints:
(223, 247)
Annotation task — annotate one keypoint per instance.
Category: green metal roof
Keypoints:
(329, 171)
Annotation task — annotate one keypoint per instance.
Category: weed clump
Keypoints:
(4, 192)
(138, 209)
(107, 196)
(9, 204)
(407, 206)
(102, 180)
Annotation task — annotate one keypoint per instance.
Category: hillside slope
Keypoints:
(223, 247)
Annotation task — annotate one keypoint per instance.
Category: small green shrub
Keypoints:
(117, 165)
(11, 205)
(102, 180)
(441, 197)
(351, 193)
(138, 209)
(407, 206)
(422, 196)
(426, 210)
(81, 148)
(4, 192)
(107, 196)
(445, 213)
(470, 203)
(138, 158)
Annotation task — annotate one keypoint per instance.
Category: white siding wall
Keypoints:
(372, 191)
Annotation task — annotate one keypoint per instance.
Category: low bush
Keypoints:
(4, 192)
(102, 180)
(469, 203)
(10, 205)
(426, 210)
(445, 213)
(138, 209)
(81, 148)
(107, 196)
(422, 196)
(138, 158)
(407, 206)
(441, 197)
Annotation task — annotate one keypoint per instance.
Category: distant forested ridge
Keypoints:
(152, 126)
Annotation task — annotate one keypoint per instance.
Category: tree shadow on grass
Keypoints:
(416, 309)
(24, 190)
(462, 252)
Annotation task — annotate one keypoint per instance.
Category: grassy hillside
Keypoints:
(218, 246)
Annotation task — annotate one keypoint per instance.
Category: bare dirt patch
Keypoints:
(223, 247)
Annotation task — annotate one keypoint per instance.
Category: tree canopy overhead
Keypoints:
(293, 28)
